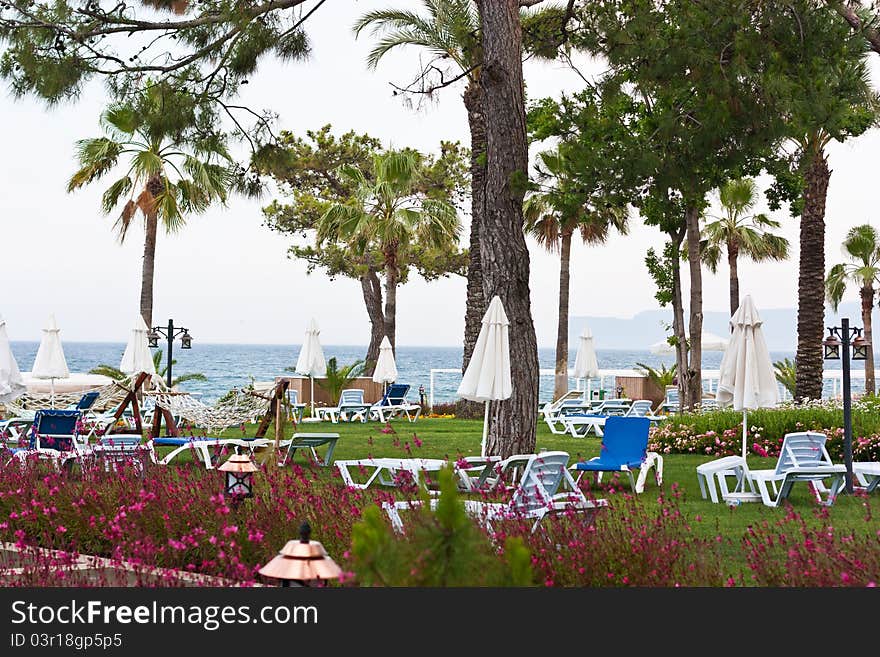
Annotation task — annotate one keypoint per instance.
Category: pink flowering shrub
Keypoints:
(793, 551)
(629, 544)
(176, 517)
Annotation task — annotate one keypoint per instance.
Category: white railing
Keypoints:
(710, 378)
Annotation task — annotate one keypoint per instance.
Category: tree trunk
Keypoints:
(811, 281)
(372, 290)
(679, 328)
(732, 258)
(503, 253)
(693, 377)
(391, 276)
(867, 294)
(560, 385)
(476, 302)
(151, 222)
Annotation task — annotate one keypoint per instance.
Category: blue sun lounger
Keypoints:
(625, 449)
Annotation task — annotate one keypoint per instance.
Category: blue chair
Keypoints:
(54, 436)
(394, 402)
(15, 428)
(624, 449)
(87, 401)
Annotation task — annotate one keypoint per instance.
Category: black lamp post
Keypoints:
(170, 332)
(840, 339)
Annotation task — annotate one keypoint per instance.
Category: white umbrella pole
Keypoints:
(485, 431)
(312, 394)
(52, 392)
(745, 433)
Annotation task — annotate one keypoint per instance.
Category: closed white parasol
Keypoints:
(487, 377)
(386, 369)
(50, 362)
(311, 360)
(138, 357)
(11, 382)
(746, 379)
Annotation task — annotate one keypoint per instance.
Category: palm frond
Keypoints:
(835, 285)
(108, 370)
(861, 243)
(96, 157)
(111, 196)
(122, 119)
(123, 223)
(183, 378)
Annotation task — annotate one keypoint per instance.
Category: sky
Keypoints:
(227, 277)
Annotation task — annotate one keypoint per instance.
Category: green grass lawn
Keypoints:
(441, 438)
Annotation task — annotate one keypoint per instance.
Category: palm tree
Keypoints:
(663, 377)
(786, 374)
(449, 30)
(862, 246)
(553, 223)
(336, 378)
(740, 233)
(118, 375)
(389, 213)
(175, 163)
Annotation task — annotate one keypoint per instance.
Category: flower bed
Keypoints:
(719, 432)
(175, 517)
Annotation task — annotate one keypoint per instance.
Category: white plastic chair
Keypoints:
(538, 494)
(803, 457)
(351, 407)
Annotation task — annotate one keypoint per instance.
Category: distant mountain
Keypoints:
(649, 326)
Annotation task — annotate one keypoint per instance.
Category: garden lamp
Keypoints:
(303, 561)
(860, 347)
(832, 344)
(239, 471)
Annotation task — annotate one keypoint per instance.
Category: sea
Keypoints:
(228, 366)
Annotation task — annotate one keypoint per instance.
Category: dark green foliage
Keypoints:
(440, 548)
(660, 268)
(308, 171)
(52, 47)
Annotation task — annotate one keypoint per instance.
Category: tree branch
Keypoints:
(850, 16)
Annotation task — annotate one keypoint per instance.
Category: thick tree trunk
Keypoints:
(867, 294)
(152, 229)
(811, 281)
(372, 290)
(560, 384)
(732, 258)
(693, 387)
(503, 252)
(476, 302)
(679, 329)
(391, 276)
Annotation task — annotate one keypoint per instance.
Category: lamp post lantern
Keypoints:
(837, 346)
(169, 332)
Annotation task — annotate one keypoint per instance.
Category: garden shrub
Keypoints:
(440, 548)
(719, 432)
